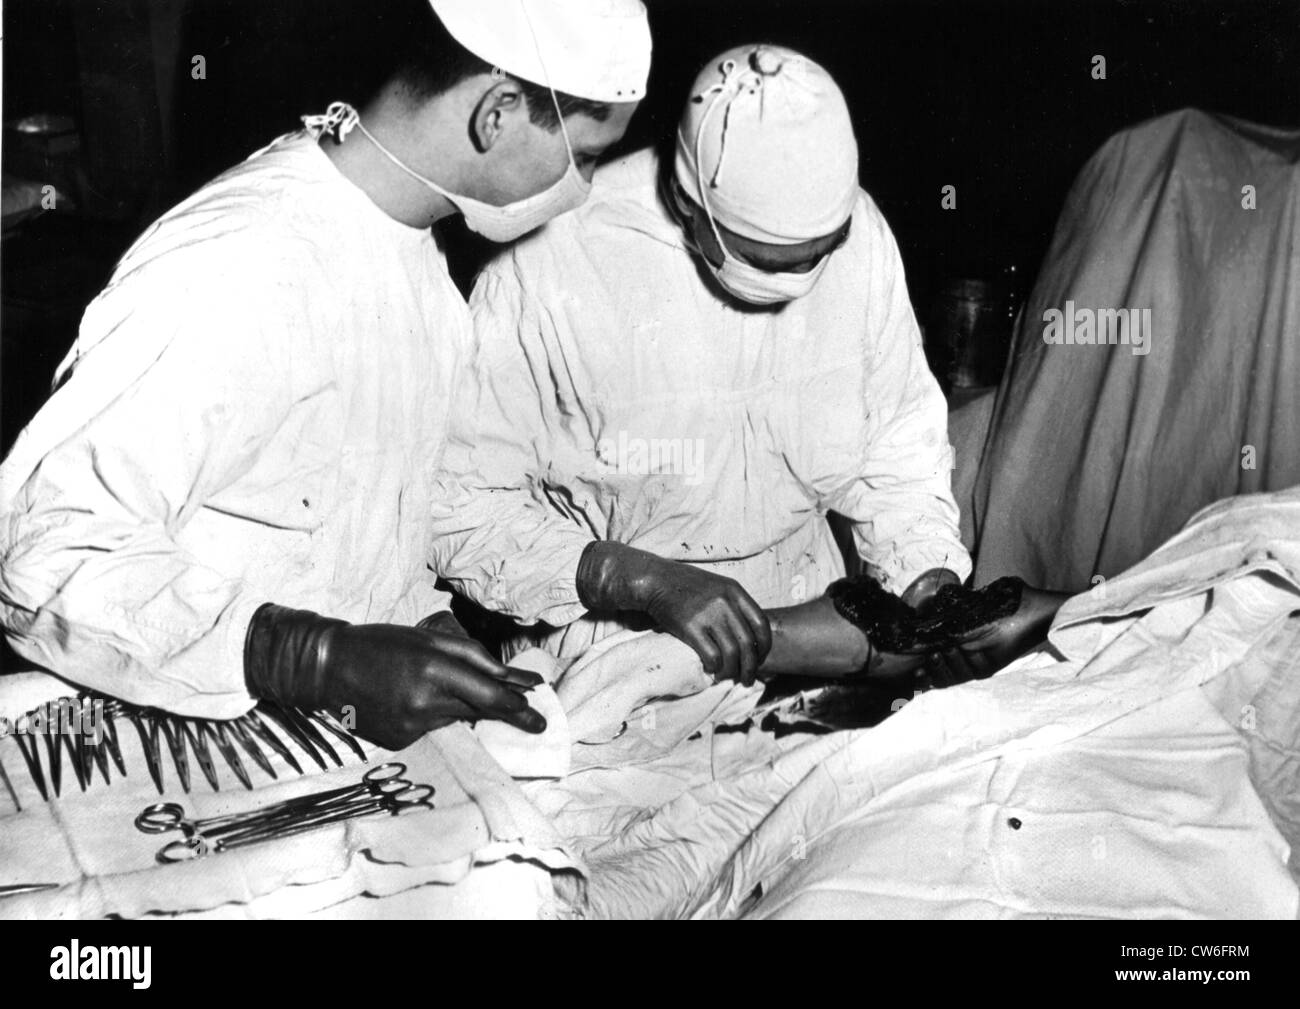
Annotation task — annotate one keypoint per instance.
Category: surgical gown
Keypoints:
(617, 391)
(251, 413)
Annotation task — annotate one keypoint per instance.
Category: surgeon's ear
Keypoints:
(494, 110)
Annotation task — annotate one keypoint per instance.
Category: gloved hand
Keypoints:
(443, 622)
(712, 614)
(401, 682)
(920, 594)
(982, 652)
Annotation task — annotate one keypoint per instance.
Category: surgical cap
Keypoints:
(593, 49)
(775, 148)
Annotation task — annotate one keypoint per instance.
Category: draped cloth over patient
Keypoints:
(1144, 764)
(1098, 453)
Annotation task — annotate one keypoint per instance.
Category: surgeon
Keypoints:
(690, 372)
(229, 496)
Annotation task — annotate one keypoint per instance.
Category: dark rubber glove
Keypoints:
(712, 614)
(443, 622)
(401, 682)
(920, 595)
(983, 651)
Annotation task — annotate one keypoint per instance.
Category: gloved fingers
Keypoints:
(486, 700)
(525, 718)
(400, 732)
(933, 673)
(921, 649)
(982, 636)
(956, 667)
(450, 710)
(760, 629)
(985, 662)
(490, 697)
(728, 648)
(700, 640)
(522, 678)
(470, 653)
(976, 638)
(747, 655)
(898, 663)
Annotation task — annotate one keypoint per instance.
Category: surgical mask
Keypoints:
(495, 223)
(746, 282)
(761, 287)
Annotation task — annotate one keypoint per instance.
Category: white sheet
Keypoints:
(1135, 794)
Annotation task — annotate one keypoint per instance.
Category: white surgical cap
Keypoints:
(775, 146)
(593, 49)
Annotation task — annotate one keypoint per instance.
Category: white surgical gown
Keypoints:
(616, 391)
(251, 413)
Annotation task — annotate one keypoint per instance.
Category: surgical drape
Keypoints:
(1096, 454)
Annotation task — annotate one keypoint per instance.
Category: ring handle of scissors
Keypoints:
(410, 795)
(186, 849)
(389, 786)
(161, 817)
(384, 772)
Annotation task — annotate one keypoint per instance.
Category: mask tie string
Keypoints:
(726, 90)
(337, 120)
(537, 48)
(340, 119)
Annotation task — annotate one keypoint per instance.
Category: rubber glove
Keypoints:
(985, 650)
(400, 682)
(924, 587)
(711, 613)
(443, 622)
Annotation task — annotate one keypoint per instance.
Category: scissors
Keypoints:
(382, 789)
(409, 799)
(162, 817)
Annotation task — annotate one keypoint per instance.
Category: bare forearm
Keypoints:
(811, 639)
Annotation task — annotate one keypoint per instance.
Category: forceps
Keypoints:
(162, 817)
(382, 789)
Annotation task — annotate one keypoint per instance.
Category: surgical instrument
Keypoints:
(381, 790)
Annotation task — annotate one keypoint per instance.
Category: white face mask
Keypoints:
(495, 223)
(761, 287)
(746, 282)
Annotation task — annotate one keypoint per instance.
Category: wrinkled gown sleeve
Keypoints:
(905, 520)
(499, 538)
(179, 377)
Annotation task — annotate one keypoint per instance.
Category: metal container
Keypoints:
(971, 327)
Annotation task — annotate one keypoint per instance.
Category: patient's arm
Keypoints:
(812, 639)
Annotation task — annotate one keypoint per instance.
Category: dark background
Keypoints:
(994, 97)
